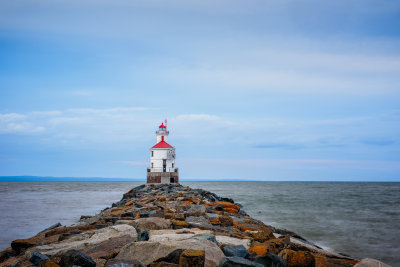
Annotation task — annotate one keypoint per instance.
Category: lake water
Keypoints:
(358, 219)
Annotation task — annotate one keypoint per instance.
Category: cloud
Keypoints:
(14, 123)
(197, 117)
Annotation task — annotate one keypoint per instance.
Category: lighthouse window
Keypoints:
(152, 153)
(172, 165)
(152, 165)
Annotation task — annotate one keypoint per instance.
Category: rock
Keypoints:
(21, 244)
(225, 221)
(226, 206)
(273, 246)
(238, 251)
(51, 227)
(192, 258)
(144, 236)
(153, 223)
(172, 257)
(179, 224)
(232, 241)
(200, 222)
(76, 257)
(270, 260)
(324, 260)
(262, 236)
(147, 252)
(367, 262)
(88, 238)
(123, 263)
(48, 263)
(196, 210)
(238, 262)
(7, 253)
(37, 257)
(209, 237)
(108, 248)
(297, 258)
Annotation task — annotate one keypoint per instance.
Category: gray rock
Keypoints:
(367, 262)
(238, 251)
(238, 262)
(37, 257)
(76, 257)
(196, 210)
(198, 222)
(144, 236)
(88, 238)
(207, 237)
(153, 223)
(147, 252)
(270, 260)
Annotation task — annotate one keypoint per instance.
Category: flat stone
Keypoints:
(88, 239)
(232, 241)
(153, 223)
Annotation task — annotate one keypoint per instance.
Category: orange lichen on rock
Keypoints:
(297, 258)
(260, 249)
(227, 206)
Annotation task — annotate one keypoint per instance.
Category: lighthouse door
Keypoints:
(164, 165)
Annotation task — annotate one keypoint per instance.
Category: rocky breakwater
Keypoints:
(165, 226)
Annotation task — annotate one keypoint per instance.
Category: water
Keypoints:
(359, 219)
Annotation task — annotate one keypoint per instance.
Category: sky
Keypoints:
(252, 90)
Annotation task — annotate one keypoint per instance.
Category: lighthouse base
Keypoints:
(162, 178)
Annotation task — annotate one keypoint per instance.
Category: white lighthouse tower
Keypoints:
(162, 160)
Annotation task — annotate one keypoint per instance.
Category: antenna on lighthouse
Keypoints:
(165, 123)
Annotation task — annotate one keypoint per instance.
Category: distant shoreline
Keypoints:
(102, 179)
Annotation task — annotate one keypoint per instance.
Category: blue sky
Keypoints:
(257, 90)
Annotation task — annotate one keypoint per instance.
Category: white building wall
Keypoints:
(156, 161)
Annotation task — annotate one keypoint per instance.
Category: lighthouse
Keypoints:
(162, 160)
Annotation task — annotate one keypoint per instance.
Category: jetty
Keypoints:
(166, 225)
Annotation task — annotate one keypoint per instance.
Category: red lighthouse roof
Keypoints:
(162, 125)
(162, 144)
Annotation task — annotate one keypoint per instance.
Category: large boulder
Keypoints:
(371, 263)
(148, 252)
(238, 251)
(297, 258)
(19, 245)
(76, 257)
(88, 239)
